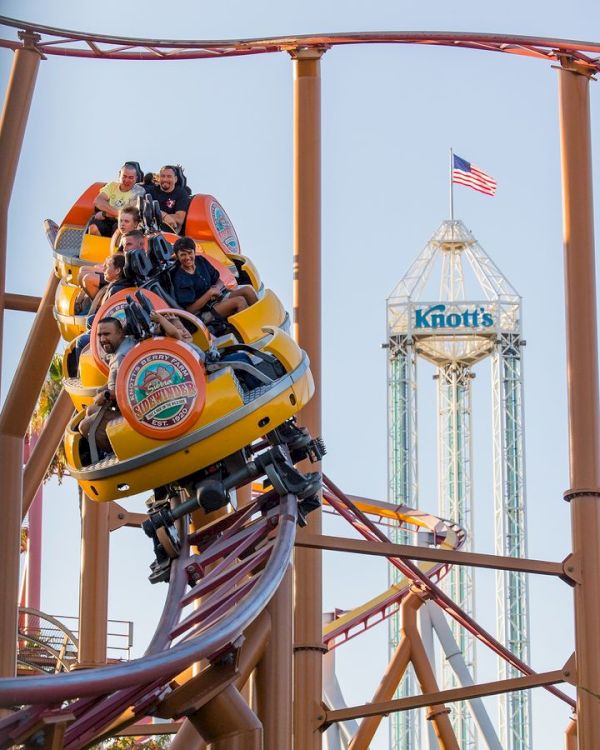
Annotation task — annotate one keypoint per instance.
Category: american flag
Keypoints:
(465, 173)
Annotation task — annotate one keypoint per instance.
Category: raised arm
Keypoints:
(169, 329)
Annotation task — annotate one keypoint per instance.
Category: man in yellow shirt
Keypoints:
(113, 197)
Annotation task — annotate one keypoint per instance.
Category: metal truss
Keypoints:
(402, 488)
(512, 593)
(455, 501)
(68, 43)
(489, 275)
(411, 284)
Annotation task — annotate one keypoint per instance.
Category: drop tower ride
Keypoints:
(454, 308)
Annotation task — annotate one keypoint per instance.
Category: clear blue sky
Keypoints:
(390, 113)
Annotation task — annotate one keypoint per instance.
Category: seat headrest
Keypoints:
(137, 265)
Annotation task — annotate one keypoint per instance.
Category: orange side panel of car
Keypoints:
(207, 220)
(83, 207)
(225, 274)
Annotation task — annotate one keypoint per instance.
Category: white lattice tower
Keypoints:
(455, 501)
(453, 307)
(402, 485)
(512, 594)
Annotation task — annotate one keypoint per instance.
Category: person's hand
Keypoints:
(99, 215)
(170, 221)
(154, 317)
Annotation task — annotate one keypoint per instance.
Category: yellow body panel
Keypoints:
(222, 397)
(70, 324)
(82, 395)
(212, 249)
(91, 376)
(65, 356)
(283, 347)
(80, 399)
(249, 323)
(65, 298)
(304, 389)
(231, 438)
(71, 443)
(202, 338)
(94, 249)
(249, 267)
(64, 268)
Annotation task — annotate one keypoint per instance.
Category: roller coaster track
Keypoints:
(425, 581)
(241, 561)
(66, 43)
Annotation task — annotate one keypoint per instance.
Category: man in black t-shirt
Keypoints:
(172, 199)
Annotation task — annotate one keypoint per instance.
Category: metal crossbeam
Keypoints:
(411, 552)
(445, 696)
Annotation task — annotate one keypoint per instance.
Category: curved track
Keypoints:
(247, 554)
(67, 43)
(241, 561)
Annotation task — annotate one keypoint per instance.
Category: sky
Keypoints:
(389, 116)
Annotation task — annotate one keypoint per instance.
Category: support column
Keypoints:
(308, 678)
(45, 447)
(582, 389)
(385, 692)
(275, 668)
(15, 112)
(227, 723)
(11, 451)
(439, 715)
(571, 735)
(33, 589)
(14, 421)
(93, 588)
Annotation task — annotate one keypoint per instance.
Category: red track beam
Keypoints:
(91, 45)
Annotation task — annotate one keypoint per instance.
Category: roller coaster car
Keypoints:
(191, 414)
(182, 408)
(150, 271)
(206, 222)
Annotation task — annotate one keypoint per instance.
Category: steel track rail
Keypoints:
(164, 664)
(49, 40)
(411, 571)
(351, 627)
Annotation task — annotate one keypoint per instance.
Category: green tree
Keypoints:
(156, 742)
(48, 395)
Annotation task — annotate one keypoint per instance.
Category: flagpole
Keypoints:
(451, 188)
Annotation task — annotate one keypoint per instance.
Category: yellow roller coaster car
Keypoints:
(146, 454)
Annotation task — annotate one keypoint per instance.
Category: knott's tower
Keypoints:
(454, 308)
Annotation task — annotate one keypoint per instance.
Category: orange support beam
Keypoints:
(582, 389)
(308, 679)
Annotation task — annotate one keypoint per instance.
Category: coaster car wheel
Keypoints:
(170, 544)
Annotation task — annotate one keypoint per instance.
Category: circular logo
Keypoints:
(223, 227)
(161, 388)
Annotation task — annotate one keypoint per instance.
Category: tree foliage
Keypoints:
(48, 395)
(156, 742)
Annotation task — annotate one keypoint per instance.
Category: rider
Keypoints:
(172, 198)
(198, 288)
(112, 197)
(116, 344)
